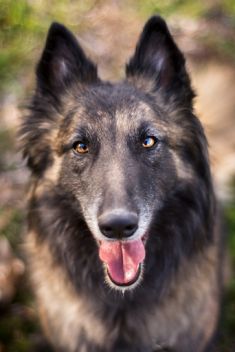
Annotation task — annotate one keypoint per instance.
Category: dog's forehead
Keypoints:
(122, 106)
(133, 114)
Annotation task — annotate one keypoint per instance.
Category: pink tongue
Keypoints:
(122, 259)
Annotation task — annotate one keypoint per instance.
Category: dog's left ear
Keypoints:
(157, 58)
(63, 62)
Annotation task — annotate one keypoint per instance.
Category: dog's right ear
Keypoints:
(63, 62)
(158, 60)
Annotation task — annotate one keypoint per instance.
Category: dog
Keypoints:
(123, 241)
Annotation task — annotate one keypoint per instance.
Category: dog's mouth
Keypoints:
(123, 260)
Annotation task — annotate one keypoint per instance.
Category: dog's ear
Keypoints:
(158, 58)
(63, 61)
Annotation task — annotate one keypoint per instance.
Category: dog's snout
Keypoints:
(118, 225)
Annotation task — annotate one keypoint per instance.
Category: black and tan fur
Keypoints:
(175, 304)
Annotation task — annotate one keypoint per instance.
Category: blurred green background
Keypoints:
(205, 31)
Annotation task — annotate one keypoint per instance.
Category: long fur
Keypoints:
(175, 305)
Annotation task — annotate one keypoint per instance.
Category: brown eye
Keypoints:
(81, 148)
(149, 142)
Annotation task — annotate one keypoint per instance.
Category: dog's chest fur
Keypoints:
(65, 313)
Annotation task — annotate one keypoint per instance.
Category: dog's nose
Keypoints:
(118, 225)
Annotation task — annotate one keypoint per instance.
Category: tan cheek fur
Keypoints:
(196, 298)
(63, 312)
(53, 172)
(183, 170)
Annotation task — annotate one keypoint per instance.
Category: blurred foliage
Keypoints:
(6, 141)
(227, 326)
(12, 226)
(15, 332)
(186, 7)
(6, 145)
(23, 24)
(19, 326)
(23, 27)
(230, 217)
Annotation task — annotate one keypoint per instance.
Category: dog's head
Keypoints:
(131, 154)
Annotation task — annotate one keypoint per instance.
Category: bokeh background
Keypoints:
(107, 30)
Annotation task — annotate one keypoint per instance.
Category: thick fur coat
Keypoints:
(123, 245)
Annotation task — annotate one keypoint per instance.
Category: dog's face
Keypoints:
(116, 157)
(123, 150)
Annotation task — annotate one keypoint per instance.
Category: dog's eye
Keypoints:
(149, 142)
(81, 147)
